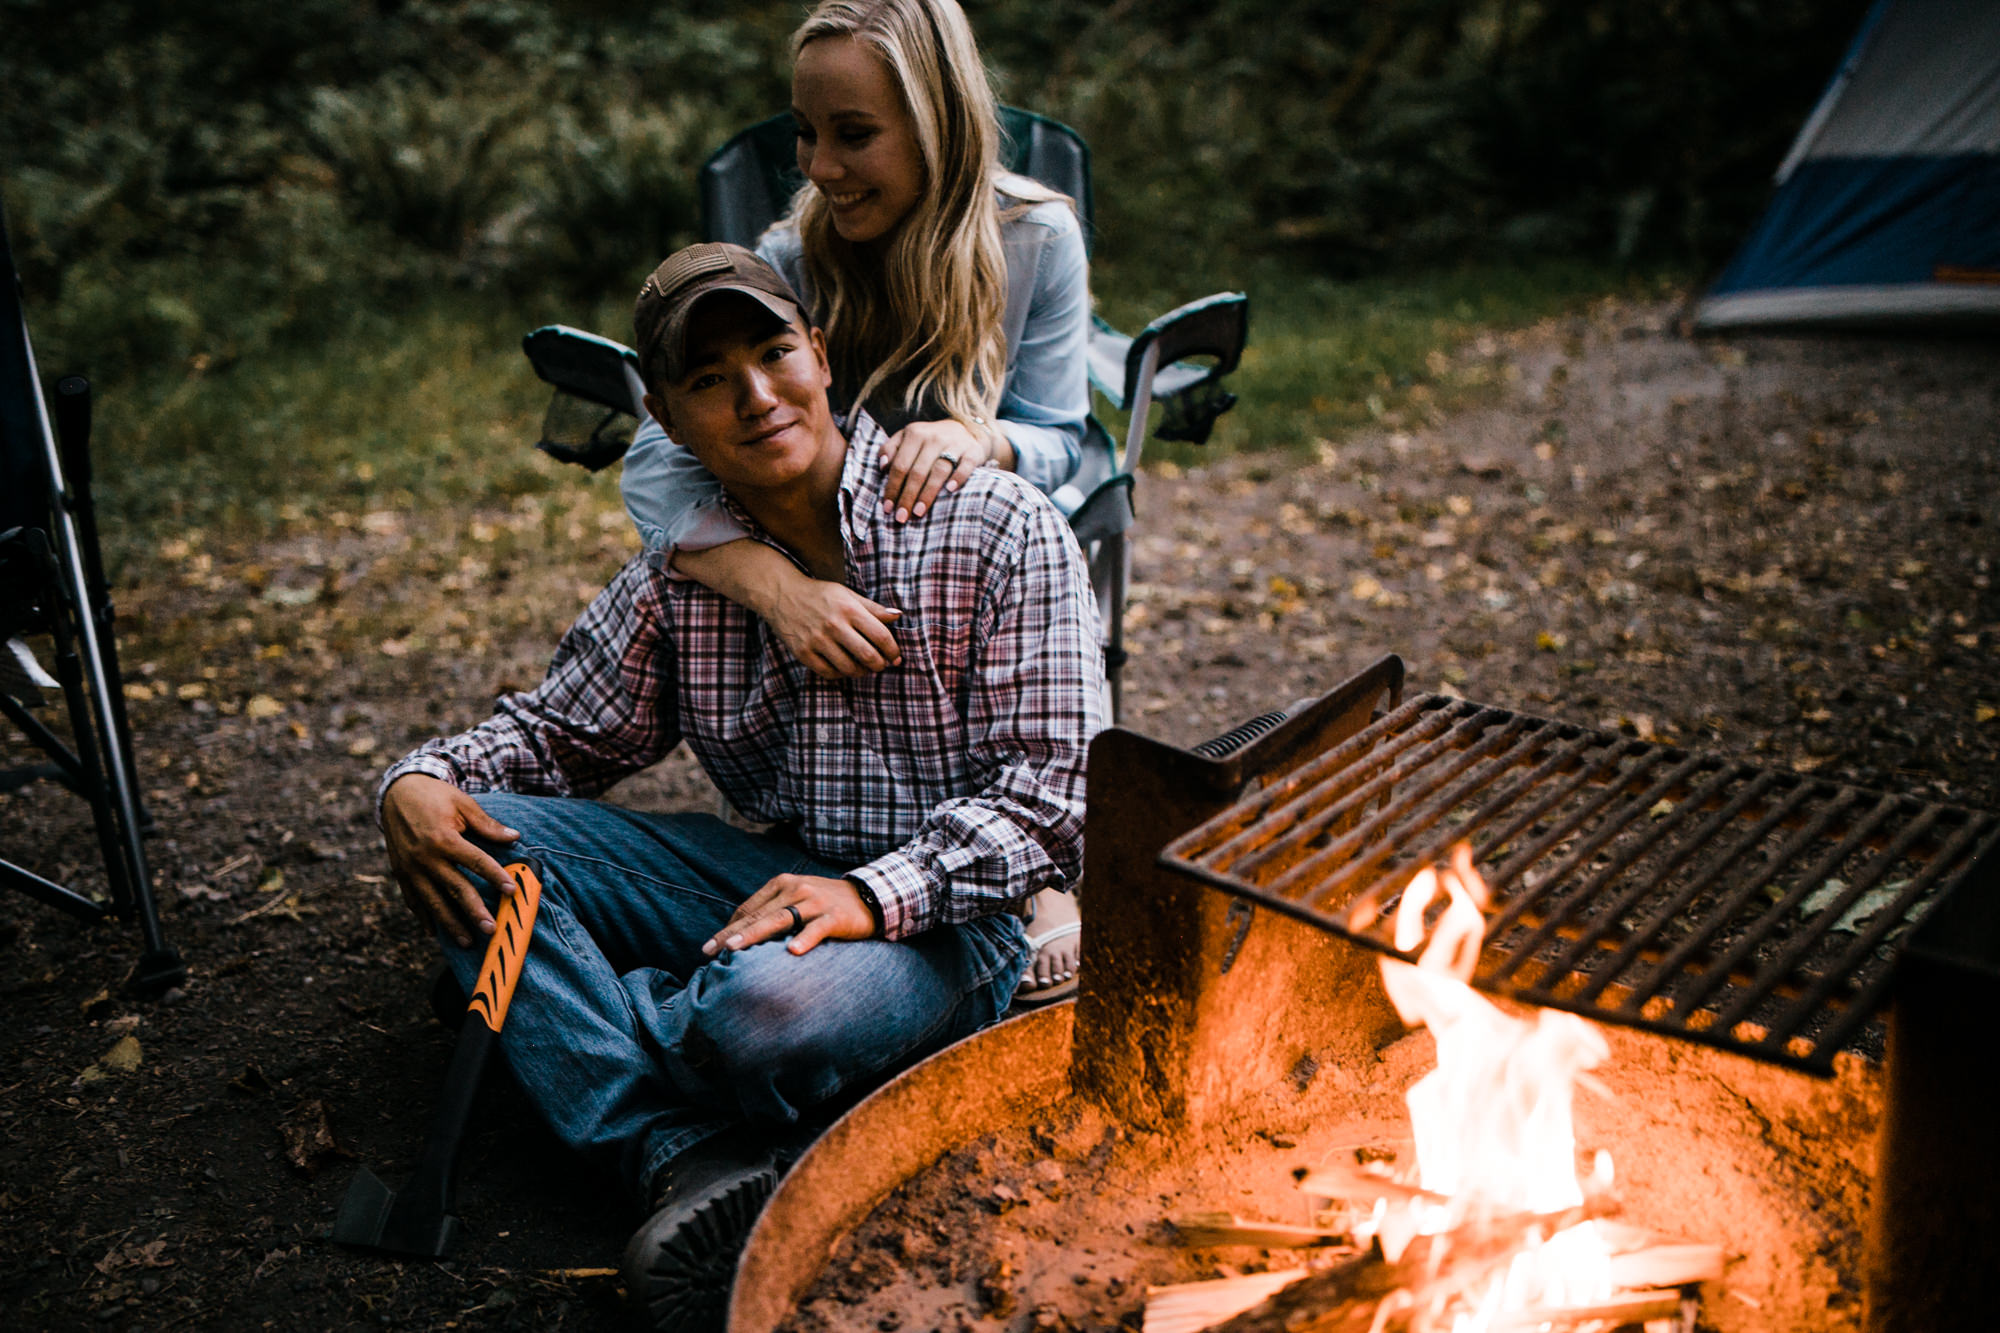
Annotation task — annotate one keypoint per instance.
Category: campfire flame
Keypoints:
(1496, 1233)
(1494, 1135)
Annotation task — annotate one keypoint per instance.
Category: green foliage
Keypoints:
(1362, 136)
(246, 215)
(205, 181)
(619, 190)
(435, 408)
(296, 259)
(436, 166)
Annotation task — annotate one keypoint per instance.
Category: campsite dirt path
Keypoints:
(1774, 548)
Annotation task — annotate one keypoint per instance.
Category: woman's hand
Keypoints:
(929, 458)
(424, 823)
(810, 908)
(831, 628)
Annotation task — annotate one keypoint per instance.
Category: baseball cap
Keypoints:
(669, 296)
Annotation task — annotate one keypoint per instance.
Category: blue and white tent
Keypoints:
(1888, 206)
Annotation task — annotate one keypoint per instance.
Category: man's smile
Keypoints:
(769, 433)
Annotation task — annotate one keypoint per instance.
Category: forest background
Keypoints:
(295, 247)
(258, 226)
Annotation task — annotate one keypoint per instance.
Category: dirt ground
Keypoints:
(1773, 548)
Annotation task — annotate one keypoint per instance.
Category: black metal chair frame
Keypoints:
(52, 583)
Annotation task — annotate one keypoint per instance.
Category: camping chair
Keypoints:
(1158, 377)
(52, 584)
(747, 184)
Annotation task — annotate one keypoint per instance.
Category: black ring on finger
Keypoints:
(949, 458)
(798, 922)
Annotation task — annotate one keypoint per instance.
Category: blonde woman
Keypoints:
(955, 304)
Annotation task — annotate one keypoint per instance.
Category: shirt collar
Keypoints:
(861, 479)
(860, 493)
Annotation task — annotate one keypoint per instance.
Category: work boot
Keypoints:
(680, 1264)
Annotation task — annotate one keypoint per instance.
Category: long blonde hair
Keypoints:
(927, 312)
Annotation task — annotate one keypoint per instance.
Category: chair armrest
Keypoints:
(593, 368)
(1215, 326)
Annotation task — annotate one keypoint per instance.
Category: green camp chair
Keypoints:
(1167, 378)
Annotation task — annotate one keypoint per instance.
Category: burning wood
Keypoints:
(1203, 1230)
(1189, 1307)
(1356, 1182)
(1497, 1232)
(1476, 1270)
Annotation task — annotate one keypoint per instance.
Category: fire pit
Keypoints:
(1640, 884)
(1035, 1172)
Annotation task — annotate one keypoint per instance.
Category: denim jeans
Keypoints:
(635, 1047)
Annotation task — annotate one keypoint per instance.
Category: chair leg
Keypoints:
(73, 773)
(72, 420)
(49, 892)
(13, 779)
(121, 729)
(66, 769)
(107, 778)
(73, 575)
(160, 967)
(69, 673)
(1117, 555)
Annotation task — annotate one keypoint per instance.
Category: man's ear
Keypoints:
(819, 353)
(657, 408)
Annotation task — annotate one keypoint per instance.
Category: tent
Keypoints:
(1887, 209)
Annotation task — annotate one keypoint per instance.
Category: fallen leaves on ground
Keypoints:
(124, 1056)
(308, 1137)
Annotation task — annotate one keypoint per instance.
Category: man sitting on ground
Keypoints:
(693, 990)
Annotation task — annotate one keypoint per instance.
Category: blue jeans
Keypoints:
(635, 1047)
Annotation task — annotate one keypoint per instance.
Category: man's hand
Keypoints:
(827, 909)
(424, 822)
(928, 458)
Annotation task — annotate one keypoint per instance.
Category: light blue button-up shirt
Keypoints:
(677, 505)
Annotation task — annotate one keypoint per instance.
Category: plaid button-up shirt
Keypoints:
(952, 783)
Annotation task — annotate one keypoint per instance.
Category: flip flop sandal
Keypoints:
(1030, 996)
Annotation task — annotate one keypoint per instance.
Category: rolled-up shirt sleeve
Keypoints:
(1035, 700)
(1046, 398)
(604, 711)
(675, 502)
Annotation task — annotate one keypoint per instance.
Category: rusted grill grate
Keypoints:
(1635, 883)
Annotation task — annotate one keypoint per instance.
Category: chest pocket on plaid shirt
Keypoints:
(909, 715)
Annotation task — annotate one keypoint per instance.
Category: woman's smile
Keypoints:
(857, 143)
